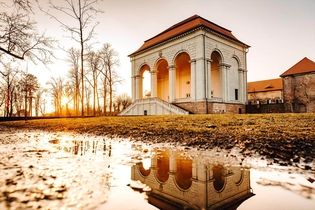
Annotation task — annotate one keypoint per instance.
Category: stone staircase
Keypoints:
(152, 106)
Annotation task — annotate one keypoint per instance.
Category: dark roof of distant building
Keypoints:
(265, 85)
(185, 26)
(302, 67)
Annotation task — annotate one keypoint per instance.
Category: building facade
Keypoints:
(195, 65)
(265, 91)
(299, 87)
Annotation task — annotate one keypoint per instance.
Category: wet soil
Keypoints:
(65, 170)
(285, 139)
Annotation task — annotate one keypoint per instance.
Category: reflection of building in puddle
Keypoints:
(81, 147)
(180, 182)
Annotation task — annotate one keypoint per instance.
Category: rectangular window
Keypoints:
(236, 94)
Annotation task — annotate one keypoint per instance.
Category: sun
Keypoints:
(64, 101)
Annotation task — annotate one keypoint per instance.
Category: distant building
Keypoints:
(265, 91)
(299, 87)
(196, 66)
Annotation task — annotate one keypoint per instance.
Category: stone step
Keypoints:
(152, 106)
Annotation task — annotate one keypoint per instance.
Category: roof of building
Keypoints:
(302, 67)
(265, 85)
(185, 26)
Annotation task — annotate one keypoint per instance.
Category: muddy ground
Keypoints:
(286, 139)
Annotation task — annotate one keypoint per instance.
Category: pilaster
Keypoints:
(193, 79)
(209, 82)
(153, 84)
(242, 92)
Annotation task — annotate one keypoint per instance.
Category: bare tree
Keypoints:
(23, 4)
(29, 85)
(74, 59)
(39, 100)
(110, 61)
(19, 37)
(123, 101)
(9, 89)
(57, 91)
(94, 63)
(83, 12)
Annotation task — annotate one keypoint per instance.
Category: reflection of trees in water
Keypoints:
(80, 147)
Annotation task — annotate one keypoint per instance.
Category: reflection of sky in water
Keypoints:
(95, 172)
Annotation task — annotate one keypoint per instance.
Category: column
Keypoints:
(153, 84)
(172, 77)
(201, 78)
(133, 88)
(227, 83)
(133, 80)
(223, 81)
(138, 88)
(172, 159)
(209, 82)
(193, 79)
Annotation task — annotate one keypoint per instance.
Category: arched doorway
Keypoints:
(216, 83)
(183, 174)
(162, 79)
(145, 82)
(183, 76)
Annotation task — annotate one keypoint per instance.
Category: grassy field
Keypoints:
(268, 134)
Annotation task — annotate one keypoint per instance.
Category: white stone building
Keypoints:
(196, 66)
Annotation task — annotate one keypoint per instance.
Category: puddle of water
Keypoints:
(59, 170)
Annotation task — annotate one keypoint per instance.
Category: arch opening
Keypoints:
(162, 80)
(145, 171)
(216, 83)
(219, 178)
(162, 166)
(183, 76)
(183, 174)
(145, 82)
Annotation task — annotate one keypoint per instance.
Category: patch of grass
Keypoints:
(276, 136)
(273, 125)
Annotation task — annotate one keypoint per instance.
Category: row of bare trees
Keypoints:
(99, 84)
(20, 94)
(92, 77)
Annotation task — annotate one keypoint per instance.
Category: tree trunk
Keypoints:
(105, 96)
(110, 89)
(82, 58)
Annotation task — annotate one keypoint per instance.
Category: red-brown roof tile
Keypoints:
(265, 85)
(303, 66)
(185, 26)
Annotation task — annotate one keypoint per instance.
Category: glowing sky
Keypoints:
(280, 32)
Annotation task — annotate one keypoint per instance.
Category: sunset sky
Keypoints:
(280, 32)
